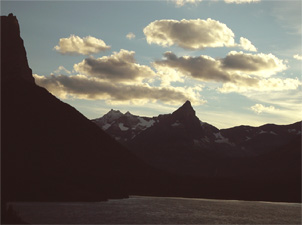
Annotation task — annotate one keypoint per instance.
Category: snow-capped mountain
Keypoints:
(124, 127)
(180, 142)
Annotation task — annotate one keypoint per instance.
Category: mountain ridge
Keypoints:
(51, 152)
(181, 137)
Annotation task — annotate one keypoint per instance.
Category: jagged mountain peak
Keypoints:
(111, 116)
(13, 51)
(187, 103)
(186, 110)
(128, 114)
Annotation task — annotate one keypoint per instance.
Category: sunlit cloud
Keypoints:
(183, 2)
(193, 34)
(259, 108)
(298, 57)
(263, 85)
(263, 65)
(287, 103)
(180, 3)
(118, 67)
(237, 68)
(245, 44)
(241, 1)
(130, 36)
(62, 69)
(75, 45)
(91, 88)
(189, 34)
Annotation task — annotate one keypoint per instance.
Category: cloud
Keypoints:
(259, 108)
(183, 2)
(201, 67)
(298, 57)
(130, 36)
(62, 69)
(245, 44)
(118, 67)
(288, 102)
(193, 34)
(237, 67)
(241, 1)
(85, 87)
(74, 45)
(189, 34)
(180, 3)
(260, 64)
(262, 85)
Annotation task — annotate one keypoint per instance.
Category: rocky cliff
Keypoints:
(14, 63)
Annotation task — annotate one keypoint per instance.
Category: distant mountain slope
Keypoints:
(181, 143)
(51, 152)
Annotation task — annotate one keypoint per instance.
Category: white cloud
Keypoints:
(130, 36)
(84, 46)
(193, 34)
(189, 34)
(287, 102)
(183, 2)
(262, 85)
(85, 87)
(241, 1)
(245, 44)
(298, 57)
(118, 67)
(180, 3)
(259, 108)
(62, 69)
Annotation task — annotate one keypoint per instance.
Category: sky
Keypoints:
(237, 61)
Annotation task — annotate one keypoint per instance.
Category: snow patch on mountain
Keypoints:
(112, 115)
(176, 124)
(221, 139)
(144, 123)
(247, 138)
(262, 132)
(106, 126)
(122, 127)
(292, 130)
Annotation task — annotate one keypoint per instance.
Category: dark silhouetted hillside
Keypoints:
(51, 152)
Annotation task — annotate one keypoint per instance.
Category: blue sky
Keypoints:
(191, 51)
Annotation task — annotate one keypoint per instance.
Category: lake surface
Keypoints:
(160, 210)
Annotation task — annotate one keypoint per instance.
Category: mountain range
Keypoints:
(182, 144)
(51, 152)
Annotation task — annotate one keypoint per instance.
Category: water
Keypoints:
(160, 210)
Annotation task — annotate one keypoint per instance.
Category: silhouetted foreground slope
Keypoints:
(51, 152)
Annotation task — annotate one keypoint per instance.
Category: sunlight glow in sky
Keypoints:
(237, 61)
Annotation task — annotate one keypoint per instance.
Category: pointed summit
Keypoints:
(14, 64)
(187, 105)
(186, 109)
